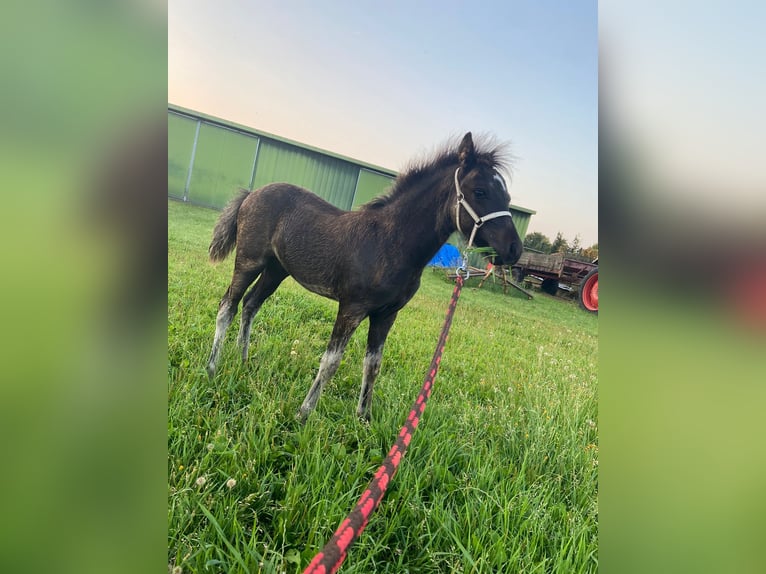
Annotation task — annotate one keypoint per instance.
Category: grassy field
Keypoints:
(501, 475)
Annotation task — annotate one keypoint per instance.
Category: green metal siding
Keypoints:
(181, 132)
(521, 221)
(331, 179)
(212, 120)
(223, 162)
(210, 158)
(370, 185)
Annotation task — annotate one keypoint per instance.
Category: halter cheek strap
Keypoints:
(477, 221)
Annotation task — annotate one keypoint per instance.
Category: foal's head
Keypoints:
(486, 192)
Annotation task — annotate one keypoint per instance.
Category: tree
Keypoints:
(591, 252)
(538, 242)
(559, 245)
(575, 247)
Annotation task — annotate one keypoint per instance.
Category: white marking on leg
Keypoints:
(222, 322)
(370, 372)
(243, 339)
(327, 367)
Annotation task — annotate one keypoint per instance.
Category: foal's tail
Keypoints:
(225, 232)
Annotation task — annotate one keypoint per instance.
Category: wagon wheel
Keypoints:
(588, 295)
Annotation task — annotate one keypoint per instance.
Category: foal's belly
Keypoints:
(319, 289)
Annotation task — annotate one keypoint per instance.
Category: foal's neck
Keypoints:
(423, 217)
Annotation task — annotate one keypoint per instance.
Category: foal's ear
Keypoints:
(466, 152)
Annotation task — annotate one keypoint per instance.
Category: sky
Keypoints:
(389, 82)
(687, 97)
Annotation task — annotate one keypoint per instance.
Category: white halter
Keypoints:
(477, 221)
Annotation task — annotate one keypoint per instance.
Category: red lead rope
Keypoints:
(334, 552)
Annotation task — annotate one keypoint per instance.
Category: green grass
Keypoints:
(501, 475)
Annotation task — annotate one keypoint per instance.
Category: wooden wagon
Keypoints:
(554, 271)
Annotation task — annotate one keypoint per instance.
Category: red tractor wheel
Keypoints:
(588, 295)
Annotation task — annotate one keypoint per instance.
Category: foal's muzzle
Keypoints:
(503, 238)
(512, 256)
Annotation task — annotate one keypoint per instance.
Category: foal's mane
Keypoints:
(489, 154)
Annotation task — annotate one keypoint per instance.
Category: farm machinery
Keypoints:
(556, 272)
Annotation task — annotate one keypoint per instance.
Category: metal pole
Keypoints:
(255, 159)
(191, 162)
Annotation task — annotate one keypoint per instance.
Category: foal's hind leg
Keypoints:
(345, 324)
(227, 309)
(376, 338)
(267, 283)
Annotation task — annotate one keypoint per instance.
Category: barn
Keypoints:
(209, 158)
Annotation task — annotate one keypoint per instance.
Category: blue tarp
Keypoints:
(447, 256)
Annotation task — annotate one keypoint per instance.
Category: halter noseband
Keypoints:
(477, 221)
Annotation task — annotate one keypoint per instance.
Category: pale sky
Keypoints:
(683, 84)
(387, 82)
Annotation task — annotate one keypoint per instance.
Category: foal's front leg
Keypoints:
(345, 324)
(376, 338)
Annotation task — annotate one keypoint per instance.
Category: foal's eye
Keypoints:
(479, 193)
